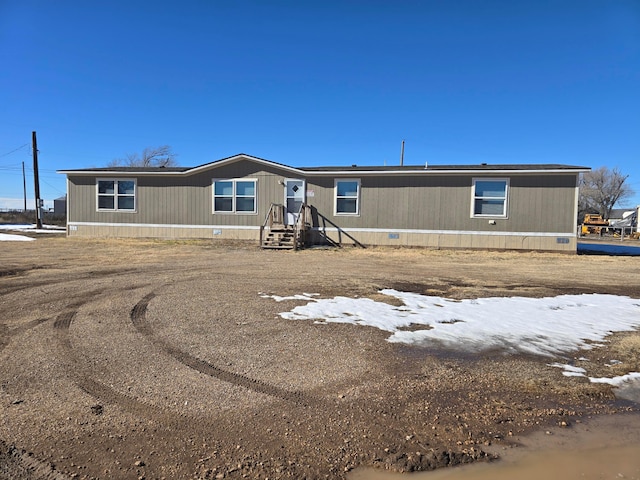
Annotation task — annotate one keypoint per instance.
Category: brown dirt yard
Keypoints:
(158, 359)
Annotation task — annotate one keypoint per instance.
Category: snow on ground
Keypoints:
(541, 326)
(26, 227)
(277, 298)
(573, 371)
(31, 227)
(625, 385)
(616, 381)
(570, 370)
(7, 237)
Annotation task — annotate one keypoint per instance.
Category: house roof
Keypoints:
(482, 166)
(619, 212)
(130, 169)
(337, 170)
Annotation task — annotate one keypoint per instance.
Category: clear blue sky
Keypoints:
(313, 83)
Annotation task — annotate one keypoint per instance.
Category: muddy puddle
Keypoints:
(597, 448)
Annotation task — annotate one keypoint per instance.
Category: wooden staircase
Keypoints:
(276, 235)
(280, 237)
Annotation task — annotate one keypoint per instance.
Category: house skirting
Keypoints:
(560, 242)
(132, 230)
(494, 240)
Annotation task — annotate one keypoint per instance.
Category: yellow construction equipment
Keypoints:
(593, 224)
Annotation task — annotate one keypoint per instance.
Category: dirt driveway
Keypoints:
(149, 359)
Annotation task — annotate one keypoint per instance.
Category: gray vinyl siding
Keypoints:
(537, 202)
(543, 203)
(179, 200)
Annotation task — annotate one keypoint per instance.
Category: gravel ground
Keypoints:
(150, 359)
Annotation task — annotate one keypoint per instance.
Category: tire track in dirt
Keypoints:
(166, 424)
(20, 283)
(85, 381)
(24, 283)
(15, 463)
(83, 378)
(138, 318)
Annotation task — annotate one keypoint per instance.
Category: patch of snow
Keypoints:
(304, 296)
(629, 380)
(8, 237)
(617, 381)
(17, 226)
(569, 370)
(541, 326)
(31, 227)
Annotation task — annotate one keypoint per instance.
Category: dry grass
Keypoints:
(617, 356)
(627, 348)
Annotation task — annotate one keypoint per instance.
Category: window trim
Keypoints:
(505, 199)
(234, 196)
(357, 197)
(115, 195)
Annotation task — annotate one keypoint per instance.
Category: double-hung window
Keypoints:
(347, 196)
(234, 196)
(117, 195)
(489, 197)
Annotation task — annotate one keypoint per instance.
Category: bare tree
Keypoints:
(601, 189)
(161, 156)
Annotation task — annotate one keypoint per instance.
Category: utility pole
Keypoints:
(24, 187)
(36, 180)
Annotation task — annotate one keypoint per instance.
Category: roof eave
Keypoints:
(426, 171)
(344, 171)
(119, 173)
(244, 156)
(187, 171)
(320, 173)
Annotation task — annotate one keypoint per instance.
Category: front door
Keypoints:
(294, 198)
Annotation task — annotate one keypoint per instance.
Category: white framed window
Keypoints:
(347, 198)
(116, 195)
(490, 197)
(234, 195)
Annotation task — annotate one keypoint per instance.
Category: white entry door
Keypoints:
(294, 198)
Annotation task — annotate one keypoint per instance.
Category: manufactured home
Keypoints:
(522, 207)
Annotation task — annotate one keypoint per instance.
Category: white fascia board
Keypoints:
(114, 173)
(190, 171)
(236, 158)
(422, 171)
(333, 173)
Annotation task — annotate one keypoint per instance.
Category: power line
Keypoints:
(18, 168)
(9, 153)
(60, 192)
